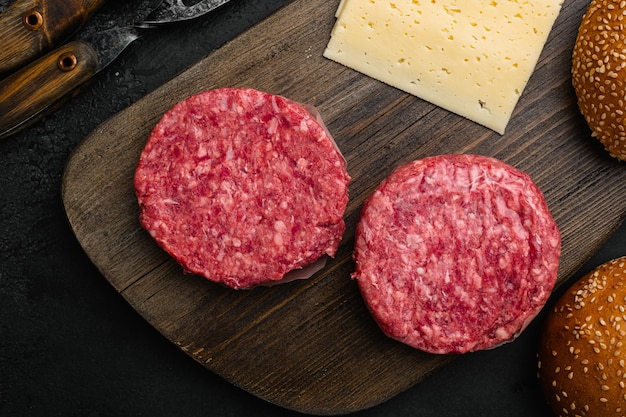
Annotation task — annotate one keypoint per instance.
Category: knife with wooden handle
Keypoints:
(25, 94)
(29, 28)
(38, 88)
(43, 85)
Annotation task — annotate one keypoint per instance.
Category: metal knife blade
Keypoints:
(176, 11)
(29, 28)
(63, 71)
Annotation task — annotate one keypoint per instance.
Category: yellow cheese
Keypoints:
(471, 57)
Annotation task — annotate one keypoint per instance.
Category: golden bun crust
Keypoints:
(582, 352)
(599, 73)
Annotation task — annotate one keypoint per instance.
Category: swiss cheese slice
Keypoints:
(471, 57)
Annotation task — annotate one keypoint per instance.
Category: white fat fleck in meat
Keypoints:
(203, 201)
(302, 163)
(203, 167)
(272, 127)
(476, 280)
(226, 186)
(502, 333)
(275, 105)
(230, 153)
(279, 226)
(223, 104)
(504, 261)
(304, 127)
(413, 239)
(202, 151)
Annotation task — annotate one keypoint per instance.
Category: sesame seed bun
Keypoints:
(582, 355)
(599, 73)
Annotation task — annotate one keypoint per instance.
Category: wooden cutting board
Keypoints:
(311, 346)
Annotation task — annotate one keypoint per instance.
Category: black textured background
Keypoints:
(71, 346)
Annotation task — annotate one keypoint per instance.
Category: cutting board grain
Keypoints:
(311, 346)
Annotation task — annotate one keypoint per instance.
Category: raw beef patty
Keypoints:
(242, 186)
(456, 253)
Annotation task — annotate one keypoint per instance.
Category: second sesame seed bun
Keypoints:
(599, 73)
(582, 355)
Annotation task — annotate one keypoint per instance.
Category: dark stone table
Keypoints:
(71, 346)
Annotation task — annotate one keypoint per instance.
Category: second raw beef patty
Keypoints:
(456, 253)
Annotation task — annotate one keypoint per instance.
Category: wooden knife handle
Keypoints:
(29, 28)
(28, 94)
